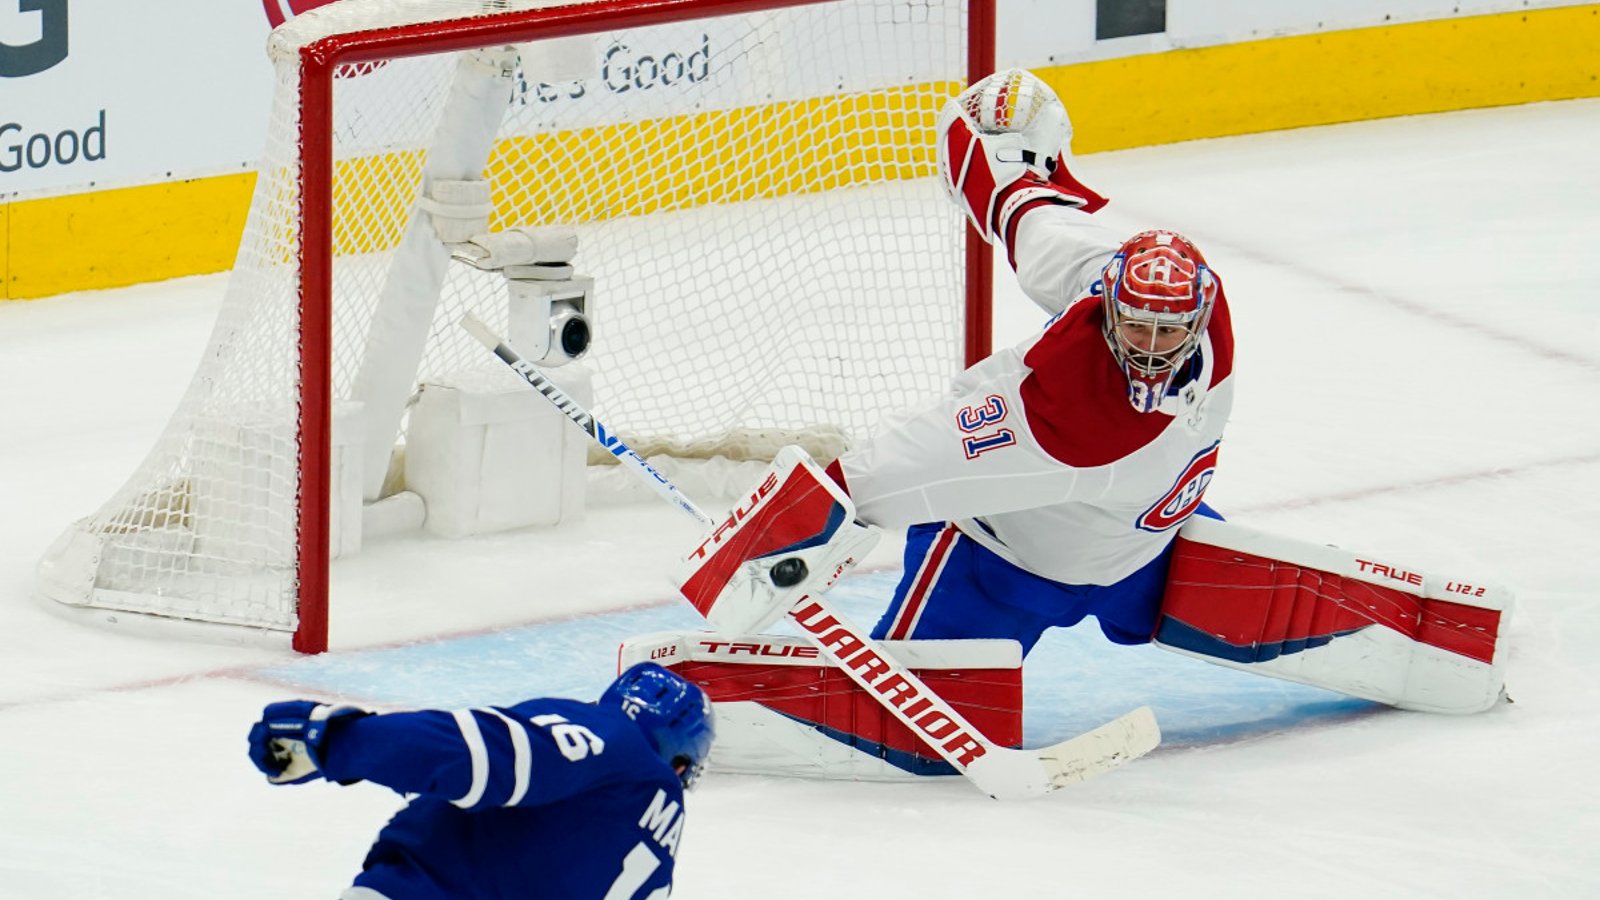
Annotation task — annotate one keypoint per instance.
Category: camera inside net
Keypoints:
(549, 320)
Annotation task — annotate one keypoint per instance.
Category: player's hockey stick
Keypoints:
(1001, 772)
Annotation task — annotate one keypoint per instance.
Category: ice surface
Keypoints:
(1418, 361)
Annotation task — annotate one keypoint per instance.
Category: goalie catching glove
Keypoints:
(793, 537)
(287, 743)
(1002, 148)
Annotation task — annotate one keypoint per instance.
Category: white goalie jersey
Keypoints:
(1036, 452)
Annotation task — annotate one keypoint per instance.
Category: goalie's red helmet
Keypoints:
(674, 714)
(1157, 294)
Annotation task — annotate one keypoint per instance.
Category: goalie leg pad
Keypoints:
(795, 536)
(784, 709)
(1326, 617)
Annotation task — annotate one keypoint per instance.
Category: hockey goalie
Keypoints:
(1064, 478)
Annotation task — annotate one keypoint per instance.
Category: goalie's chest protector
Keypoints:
(1140, 475)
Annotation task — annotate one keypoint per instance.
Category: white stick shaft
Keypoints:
(570, 408)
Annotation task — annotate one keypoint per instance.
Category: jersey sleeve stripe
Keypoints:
(479, 753)
(522, 756)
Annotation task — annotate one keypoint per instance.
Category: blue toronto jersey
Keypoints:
(548, 798)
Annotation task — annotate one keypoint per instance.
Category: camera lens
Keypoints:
(575, 337)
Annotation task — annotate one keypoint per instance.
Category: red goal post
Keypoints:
(740, 172)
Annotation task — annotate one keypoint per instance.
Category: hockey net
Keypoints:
(752, 187)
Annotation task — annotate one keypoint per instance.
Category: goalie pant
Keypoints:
(1034, 471)
(547, 798)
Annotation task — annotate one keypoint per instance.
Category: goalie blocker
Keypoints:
(784, 709)
(1323, 616)
(795, 535)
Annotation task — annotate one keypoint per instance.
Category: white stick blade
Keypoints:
(1113, 744)
(1007, 774)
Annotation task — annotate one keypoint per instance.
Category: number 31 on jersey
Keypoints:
(979, 425)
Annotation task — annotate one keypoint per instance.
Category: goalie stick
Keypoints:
(1003, 773)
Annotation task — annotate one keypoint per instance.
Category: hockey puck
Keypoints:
(789, 572)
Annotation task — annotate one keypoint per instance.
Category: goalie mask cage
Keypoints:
(753, 187)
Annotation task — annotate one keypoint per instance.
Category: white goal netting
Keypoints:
(752, 193)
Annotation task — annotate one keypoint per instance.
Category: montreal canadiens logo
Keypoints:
(1159, 268)
(1183, 498)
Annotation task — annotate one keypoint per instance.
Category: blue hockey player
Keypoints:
(547, 798)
